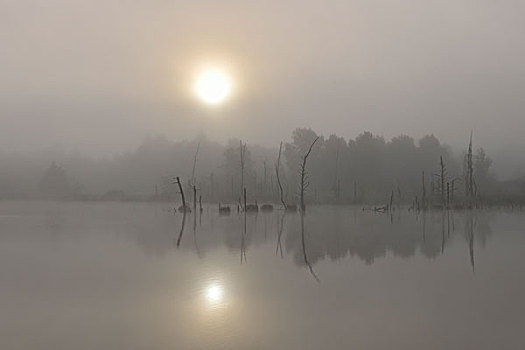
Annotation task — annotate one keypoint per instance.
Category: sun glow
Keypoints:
(213, 86)
(214, 293)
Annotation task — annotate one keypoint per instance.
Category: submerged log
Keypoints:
(267, 207)
(224, 210)
(184, 209)
(252, 208)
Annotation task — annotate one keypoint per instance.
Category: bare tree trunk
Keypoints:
(442, 177)
(277, 166)
(470, 173)
(242, 150)
(304, 175)
(194, 164)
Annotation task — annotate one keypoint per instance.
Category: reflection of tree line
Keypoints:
(336, 234)
(372, 236)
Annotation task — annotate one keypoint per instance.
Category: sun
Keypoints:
(213, 86)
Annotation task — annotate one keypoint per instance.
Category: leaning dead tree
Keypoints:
(183, 208)
(277, 166)
(304, 175)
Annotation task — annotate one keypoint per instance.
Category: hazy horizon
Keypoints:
(505, 165)
(101, 76)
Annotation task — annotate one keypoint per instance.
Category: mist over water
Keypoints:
(110, 275)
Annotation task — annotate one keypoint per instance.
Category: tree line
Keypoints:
(365, 169)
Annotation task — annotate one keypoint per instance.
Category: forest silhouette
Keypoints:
(366, 169)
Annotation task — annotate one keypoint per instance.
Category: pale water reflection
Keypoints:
(130, 275)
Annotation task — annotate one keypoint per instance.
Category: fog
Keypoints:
(98, 78)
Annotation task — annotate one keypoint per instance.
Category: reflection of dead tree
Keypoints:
(442, 232)
(243, 235)
(277, 165)
(469, 228)
(424, 225)
(197, 250)
(304, 250)
(304, 175)
(279, 247)
(448, 223)
(181, 229)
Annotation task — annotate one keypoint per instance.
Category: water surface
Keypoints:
(125, 276)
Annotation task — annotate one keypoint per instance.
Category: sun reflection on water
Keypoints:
(214, 293)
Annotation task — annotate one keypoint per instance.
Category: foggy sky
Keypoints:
(101, 75)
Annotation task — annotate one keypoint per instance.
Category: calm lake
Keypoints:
(125, 276)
